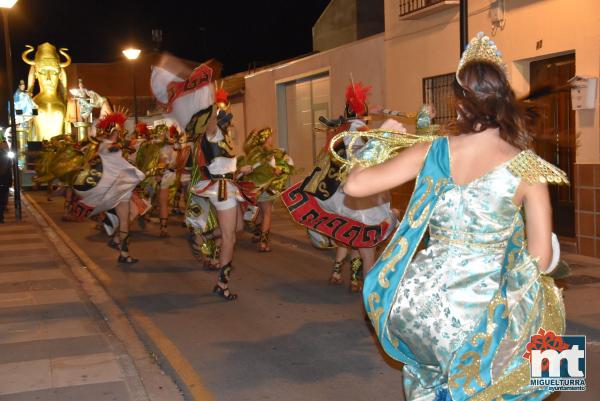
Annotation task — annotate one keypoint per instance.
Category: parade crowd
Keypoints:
(454, 292)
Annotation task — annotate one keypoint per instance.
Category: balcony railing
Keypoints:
(414, 9)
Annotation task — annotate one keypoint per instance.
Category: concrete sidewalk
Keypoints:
(54, 343)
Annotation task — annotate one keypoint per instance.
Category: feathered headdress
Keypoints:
(142, 129)
(221, 96)
(356, 98)
(111, 121)
(173, 132)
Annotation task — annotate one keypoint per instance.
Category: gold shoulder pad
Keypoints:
(533, 169)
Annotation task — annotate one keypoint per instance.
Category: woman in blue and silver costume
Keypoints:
(460, 313)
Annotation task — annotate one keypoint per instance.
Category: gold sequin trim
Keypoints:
(489, 245)
(375, 313)
(517, 381)
(390, 265)
(415, 223)
(533, 169)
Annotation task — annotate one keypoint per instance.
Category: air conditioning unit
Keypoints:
(583, 92)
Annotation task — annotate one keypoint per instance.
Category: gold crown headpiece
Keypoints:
(481, 48)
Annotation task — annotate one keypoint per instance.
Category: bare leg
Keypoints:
(163, 202)
(336, 272)
(228, 221)
(123, 214)
(368, 257)
(68, 212)
(358, 264)
(266, 209)
(257, 225)
(49, 191)
(340, 253)
(240, 220)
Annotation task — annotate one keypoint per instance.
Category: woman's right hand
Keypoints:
(392, 125)
(365, 181)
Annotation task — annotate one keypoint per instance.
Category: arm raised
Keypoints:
(365, 181)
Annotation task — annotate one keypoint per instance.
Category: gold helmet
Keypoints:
(46, 56)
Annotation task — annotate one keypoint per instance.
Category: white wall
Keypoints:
(239, 127)
(363, 58)
(427, 47)
(336, 26)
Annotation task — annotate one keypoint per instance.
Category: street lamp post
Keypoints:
(132, 54)
(464, 26)
(6, 5)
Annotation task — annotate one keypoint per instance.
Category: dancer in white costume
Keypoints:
(191, 103)
(106, 184)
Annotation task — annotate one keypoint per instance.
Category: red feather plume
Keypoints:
(356, 96)
(172, 131)
(110, 120)
(142, 129)
(221, 96)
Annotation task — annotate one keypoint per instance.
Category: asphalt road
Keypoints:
(289, 336)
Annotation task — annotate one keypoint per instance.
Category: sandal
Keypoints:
(224, 292)
(356, 276)
(128, 260)
(124, 256)
(256, 235)
(263, 245)
(224, 273)
(114, 244)
(336, 273)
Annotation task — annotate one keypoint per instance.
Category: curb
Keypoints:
(157, 386)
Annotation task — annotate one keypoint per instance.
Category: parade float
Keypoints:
(45, 119)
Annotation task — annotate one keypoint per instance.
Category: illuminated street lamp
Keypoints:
(5, 5)
(132, 54)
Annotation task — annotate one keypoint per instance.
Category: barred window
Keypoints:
(408, 7)
(437, 91)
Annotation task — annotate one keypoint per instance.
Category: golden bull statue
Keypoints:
(50, 73)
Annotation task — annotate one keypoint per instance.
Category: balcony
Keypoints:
(417, 9)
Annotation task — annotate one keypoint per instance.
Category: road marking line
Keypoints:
(19, 237)
(22, 246)
(30, 275)
(7, 229)
(178, 362)
(96, 270)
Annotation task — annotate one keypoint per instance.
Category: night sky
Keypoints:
(236, 33)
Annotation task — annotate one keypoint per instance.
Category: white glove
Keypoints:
(555, 254)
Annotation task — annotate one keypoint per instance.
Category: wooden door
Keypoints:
(555, 138)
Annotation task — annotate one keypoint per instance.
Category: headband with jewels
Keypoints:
(481, 48)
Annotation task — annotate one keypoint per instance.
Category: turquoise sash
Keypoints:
(471, 368)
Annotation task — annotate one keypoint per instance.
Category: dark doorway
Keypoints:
(555, 139)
